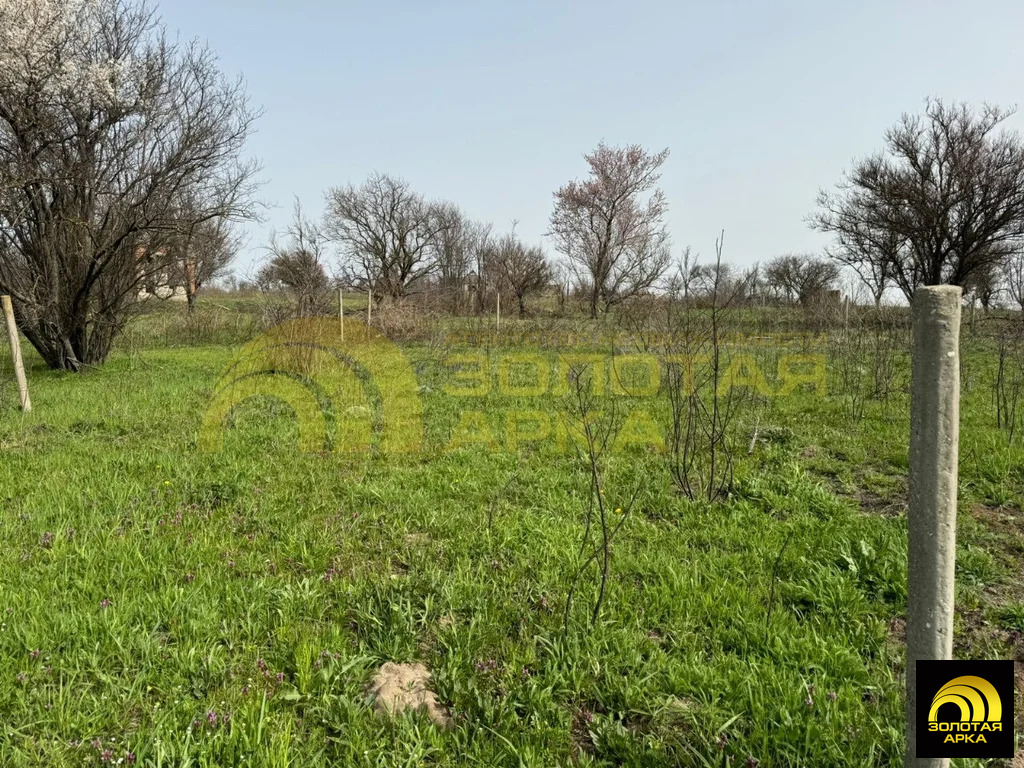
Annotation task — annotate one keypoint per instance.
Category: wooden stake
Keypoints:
(498, 314)
(341, 312)
(19, 366)
(369, 306)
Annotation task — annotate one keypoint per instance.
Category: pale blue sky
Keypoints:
(491, 105)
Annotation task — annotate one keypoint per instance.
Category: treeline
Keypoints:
(394, 243)
(942, 204)
(123, 172)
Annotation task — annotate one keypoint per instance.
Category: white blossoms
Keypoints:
(51, 47)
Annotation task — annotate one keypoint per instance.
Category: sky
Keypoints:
(493, 105)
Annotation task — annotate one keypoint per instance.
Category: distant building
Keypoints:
(160, 284)
(164, 291)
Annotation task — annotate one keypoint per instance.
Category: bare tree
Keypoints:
(103, 123)
(695, 281)
(1013, 277)
(484, 272)
(871, 253)
(753, 282)
(687, 274)
(200, 251)
(948, 192)
(296, 266)
(984, 286)
(719, 278)
(454, 246)
(609, 227)
(460, 245)
(390, 234)
(802, 277)
(519, 269)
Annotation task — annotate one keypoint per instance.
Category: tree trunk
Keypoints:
(56, 349)
(191, 283)
(69, 343)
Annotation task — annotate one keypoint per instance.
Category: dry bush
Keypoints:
(703, 407)
(411, 318)
(1008, 387)
(864, 357)
(645, 320)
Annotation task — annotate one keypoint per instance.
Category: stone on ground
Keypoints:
(397, 688)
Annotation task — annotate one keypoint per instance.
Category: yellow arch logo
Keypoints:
(357, 393)
(976, 697)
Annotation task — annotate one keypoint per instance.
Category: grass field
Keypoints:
(168, 606)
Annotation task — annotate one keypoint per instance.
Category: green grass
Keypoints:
(148, 588)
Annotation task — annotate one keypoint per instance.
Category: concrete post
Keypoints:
(931, 513)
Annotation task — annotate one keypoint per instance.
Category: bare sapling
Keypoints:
(1008, 386)
(602, 521)
(703, 405)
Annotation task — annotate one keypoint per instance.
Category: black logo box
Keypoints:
(933, 675)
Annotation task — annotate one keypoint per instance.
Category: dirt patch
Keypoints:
(398, 688)
(898, 630)
(582, 738)
(1006, 524)
(875, 504)
(869, 501)
(1007, 520)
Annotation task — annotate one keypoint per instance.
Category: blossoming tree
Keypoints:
(105, 125)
